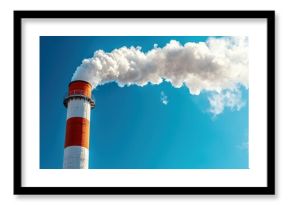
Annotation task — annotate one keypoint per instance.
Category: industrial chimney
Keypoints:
(78, 103)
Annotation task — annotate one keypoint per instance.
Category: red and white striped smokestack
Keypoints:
(79, 103)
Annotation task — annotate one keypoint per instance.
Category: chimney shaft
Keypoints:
(79, 104)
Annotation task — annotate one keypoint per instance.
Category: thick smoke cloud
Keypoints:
(215, 65)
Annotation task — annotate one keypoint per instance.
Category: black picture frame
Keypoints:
(268, 190)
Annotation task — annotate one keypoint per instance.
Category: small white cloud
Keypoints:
(243, 146)
(228, 98)
(163, 98)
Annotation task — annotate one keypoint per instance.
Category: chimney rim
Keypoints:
(75, 81)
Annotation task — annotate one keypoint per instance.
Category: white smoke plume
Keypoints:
(215, 65)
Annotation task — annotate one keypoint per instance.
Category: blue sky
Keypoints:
(150, 127)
